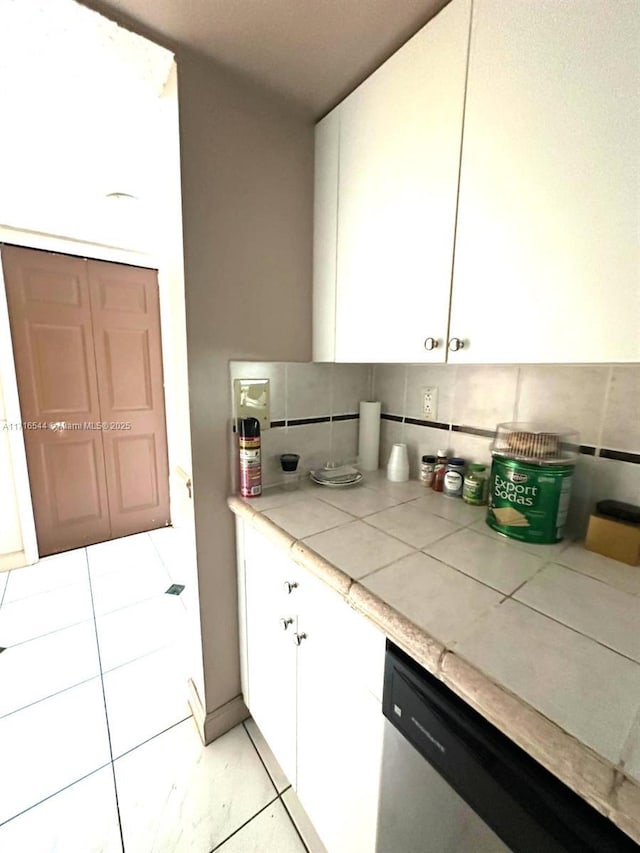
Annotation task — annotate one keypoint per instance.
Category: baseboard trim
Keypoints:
(214, 724)
(14, 560)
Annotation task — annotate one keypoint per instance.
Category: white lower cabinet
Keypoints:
(270, 625)
(315, 692)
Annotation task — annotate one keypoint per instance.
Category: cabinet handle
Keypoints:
(289, 586)
(298, 638)
(431, 343)
(285, 621)
(455, 344)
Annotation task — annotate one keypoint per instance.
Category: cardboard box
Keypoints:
(616, 539)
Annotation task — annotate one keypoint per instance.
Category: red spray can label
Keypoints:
(250, 459)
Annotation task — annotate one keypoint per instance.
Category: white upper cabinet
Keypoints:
(399, 153)
(547, 258)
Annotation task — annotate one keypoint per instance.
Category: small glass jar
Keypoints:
(474, 490)
(454, 478)
(427, 467)
(439, 471)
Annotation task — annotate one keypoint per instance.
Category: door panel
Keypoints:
(75, 499)
(400, 137)
(136, 473)
(126, 323)
(547, 251)
(52, 335)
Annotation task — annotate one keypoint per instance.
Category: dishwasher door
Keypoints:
(452, 783)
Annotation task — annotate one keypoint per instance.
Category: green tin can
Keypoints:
(529, 501)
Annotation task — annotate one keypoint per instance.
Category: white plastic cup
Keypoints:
(398, 464)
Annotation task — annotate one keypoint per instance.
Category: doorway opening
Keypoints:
(92, 176)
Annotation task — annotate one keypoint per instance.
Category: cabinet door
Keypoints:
(547, 260)
(271, 652)
(400, 134)
(340, 722)
(325, 225)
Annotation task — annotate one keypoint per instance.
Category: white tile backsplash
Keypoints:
(570, 395)
(424, 440)
(389, 386)
(484, 395)
(351, 384)
(601, 401)
(308, 390)
(621, 428)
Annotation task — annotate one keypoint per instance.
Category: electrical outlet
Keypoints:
(429, 403)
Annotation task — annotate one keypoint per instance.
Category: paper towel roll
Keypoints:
(369, 436)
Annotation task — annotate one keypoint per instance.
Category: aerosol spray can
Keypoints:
(250, 461)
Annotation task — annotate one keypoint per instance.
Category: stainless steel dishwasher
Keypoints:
(453, 783)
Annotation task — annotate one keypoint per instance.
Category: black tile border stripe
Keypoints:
(587, 450)
(396, 418)
(432, 424)
(620, 455)
(485, 433)
(325, 419)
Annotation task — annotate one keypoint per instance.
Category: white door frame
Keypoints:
(8, 379)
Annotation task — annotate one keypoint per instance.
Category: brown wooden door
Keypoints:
(126, 326)
(87, 347)
(52, 334)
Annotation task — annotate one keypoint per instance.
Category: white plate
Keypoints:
(358, 478)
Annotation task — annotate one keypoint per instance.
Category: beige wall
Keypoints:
(247, 173)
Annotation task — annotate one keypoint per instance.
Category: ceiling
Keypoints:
(85, 112)
(312, 51)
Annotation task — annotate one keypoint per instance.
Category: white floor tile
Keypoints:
(271, 830)
(144, 698)
(51, 744)
(39, 668)
(50, 573)
(41, 614)
(273, 768)
(121, 554)
(81, 819)
(176, 548)
(176, 795)
(304, 825)
(134, 631)
(4, 577)
(123, 587)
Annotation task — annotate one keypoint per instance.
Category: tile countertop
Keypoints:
(543, 640)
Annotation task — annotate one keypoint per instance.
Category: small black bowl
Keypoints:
(289, 461)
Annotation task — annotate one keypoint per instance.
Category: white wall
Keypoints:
(247, 185)
(10, 530)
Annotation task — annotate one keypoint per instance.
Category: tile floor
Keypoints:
(98, 753)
